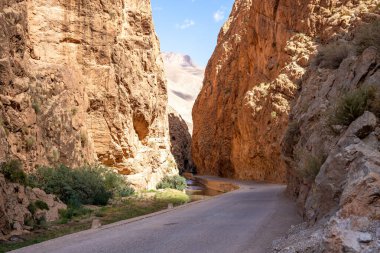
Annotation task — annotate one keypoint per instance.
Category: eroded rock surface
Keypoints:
(265, 109)
(180, 139)
(263, 51)
(16, 216)
(81, 82)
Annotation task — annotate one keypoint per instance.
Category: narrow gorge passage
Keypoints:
(245, 220)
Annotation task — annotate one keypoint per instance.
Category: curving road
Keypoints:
(246, 220)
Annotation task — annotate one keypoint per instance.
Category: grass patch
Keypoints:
(353, 105)
(172, 196)
(173, 182)
(44, 235)
(74, 220)
(71, 212)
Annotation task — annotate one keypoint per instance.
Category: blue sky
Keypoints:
(190, 26)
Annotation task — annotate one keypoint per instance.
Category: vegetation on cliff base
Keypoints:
(81, 186)
(172, 182)
(75, 220)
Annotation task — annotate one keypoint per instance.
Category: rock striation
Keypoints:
(83, 82)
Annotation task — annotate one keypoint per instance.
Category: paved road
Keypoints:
(246, 220)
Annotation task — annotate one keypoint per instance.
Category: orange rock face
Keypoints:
(82, 81)
(263, 50)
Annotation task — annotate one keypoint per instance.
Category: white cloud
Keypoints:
(187, 23)
(220, 14)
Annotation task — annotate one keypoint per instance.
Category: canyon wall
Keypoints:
(82, 82)
(263, 51)
(279, 89)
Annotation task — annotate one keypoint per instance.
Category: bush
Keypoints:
(353, 105)
(173, 182)
(118, 185)
(41, 205)
(73, 186)
(331, 55)
(82, 186)
(37, 205)
(13, 171)
(71, 212)
(32, 208)
(368, 36)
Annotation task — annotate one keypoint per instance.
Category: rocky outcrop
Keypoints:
(341, 205)
(16, 214)
(267, 111)
(81, 82)
(263, 51)
(180, 139)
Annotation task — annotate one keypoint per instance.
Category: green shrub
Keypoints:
(117, 184)
(353, 105)
(71, 212)
(73, 186)
(12, 170)
(37, 205)
(40, 222)
(41, 205)
(368, 36)
(32, 208)
(331, 55)
(126, 191)
(173, 182)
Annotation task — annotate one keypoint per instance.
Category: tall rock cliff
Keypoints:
(293, 92)
(263, 51)
(80, 82)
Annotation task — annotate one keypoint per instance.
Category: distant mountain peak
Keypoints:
(178, 59)
(185, 80)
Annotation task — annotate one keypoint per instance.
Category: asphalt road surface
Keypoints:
(242, 221)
